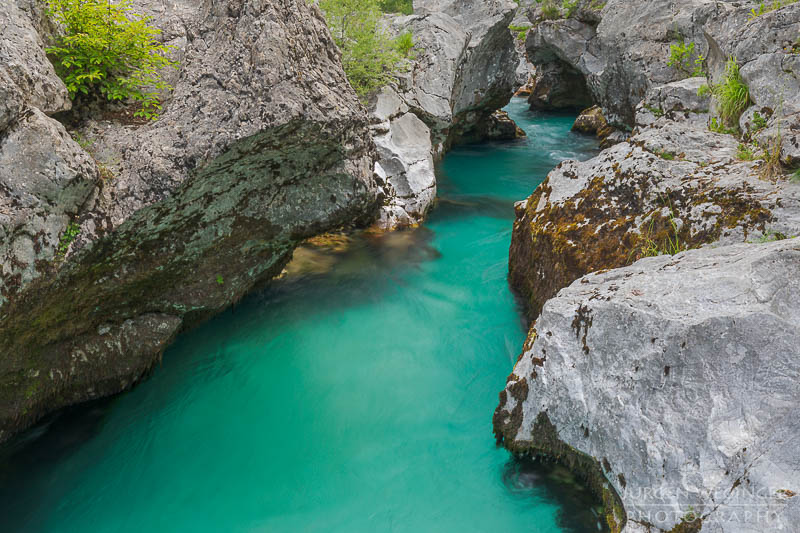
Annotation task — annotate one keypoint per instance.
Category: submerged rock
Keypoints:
(673, 381)
(262, 144)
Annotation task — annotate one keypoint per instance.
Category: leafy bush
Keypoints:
(397, 6)
(759, 121)
(732, 95)
(682, 58)
(744, 153)
(70, 234)
(370, 56)
(107, 49)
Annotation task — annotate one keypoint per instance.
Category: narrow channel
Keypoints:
(355, 394)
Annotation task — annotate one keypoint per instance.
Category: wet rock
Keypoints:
(500, 127)
(592, 121)
(675, 378)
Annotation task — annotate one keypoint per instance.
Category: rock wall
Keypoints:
(673, 180)
(262, 144)
(621, 51)
(676, 377)
(464, 70)
(668, 381)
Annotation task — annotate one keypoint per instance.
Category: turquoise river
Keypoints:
(354, 395)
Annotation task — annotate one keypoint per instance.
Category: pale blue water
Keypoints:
(356, 400)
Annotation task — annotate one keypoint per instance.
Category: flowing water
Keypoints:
(355, 395)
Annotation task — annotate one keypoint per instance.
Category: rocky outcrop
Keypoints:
(262, 144)
(464, 69)
(591, 121)
(673, 185)
(674, 382)
(622, 51)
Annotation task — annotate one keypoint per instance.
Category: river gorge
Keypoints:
(354, 394)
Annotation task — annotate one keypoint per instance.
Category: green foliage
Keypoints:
(569, 6)
(794, 177)
(107, 49)
(397, 6)
(657, 111)
(732, 94)
(670, 244)
(758, 121)
(521, 31)
(550, 10)
(717, 127)
(744, 153)
(704, 90)
(220, 281)
(70, 234)
(370, 56)
(664, 154)
(771, 236)
(682, 57)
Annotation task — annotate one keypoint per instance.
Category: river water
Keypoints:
(355, 395)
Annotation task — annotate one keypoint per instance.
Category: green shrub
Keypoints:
(397, 6)
(732, 95)
(70, 234)
(550, 10)
(683, 59)
(570, 6)
(704, 90)
(758, 121)
(744, 153)
(107, 49)
(370, 56)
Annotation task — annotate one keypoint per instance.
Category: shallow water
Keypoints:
(355, 395)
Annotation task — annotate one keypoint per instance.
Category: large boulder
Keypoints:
(673, 185)
(464, 69)
(672, 385)
(262, 144)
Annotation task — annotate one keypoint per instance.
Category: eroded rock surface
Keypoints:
(262, 144)
(463, 71)
(673, 185)
(677, 378)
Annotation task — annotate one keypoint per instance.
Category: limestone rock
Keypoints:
(677, 377)
(262, 144)
(599, 214)
(47, 181)
(625, 52)
(591, 121)
(464, 69)
(26, 74)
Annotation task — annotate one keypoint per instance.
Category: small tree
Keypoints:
(370, 56)
(107, 49)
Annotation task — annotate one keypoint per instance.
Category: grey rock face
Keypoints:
(672, 180)
(46, 181)
(464, 70)
(405, 170)
(32, 80)
(262, 144)
(626, 53)
(679, 376)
